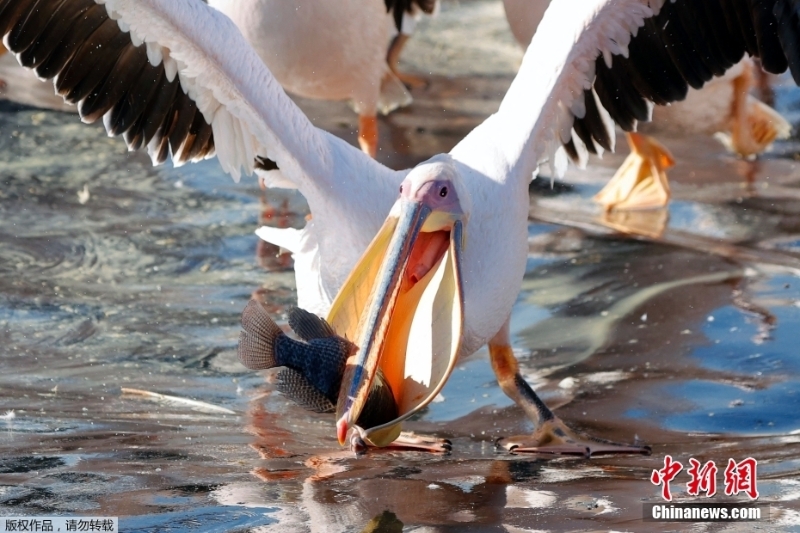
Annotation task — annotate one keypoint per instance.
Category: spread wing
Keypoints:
(596, 63)
(178, 78)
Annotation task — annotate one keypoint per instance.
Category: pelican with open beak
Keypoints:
(158, 73)
(403, 304)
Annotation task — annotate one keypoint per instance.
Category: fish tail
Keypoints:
(309, 326)
(258, 340)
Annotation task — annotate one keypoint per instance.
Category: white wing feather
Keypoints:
(348, 192)
(536, 115)
(249, 112)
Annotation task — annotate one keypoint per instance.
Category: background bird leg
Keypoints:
(2, 52)
(551, 435)
(368, 134)
(393, 59)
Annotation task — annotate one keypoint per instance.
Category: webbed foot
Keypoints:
(359, 444)
(641, 181)
(554, 437)
(753, 124)
(412, 81)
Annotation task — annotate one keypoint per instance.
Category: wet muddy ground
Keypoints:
(115, 276)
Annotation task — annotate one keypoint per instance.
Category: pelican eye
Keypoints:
(443, 192)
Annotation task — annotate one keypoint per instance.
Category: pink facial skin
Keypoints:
(438, 195)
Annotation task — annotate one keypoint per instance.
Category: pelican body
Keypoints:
(331, 50)
(418, 267)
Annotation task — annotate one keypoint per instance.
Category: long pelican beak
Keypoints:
(403, 306)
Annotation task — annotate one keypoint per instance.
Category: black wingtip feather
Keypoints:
(23, 34)
(263, 163)
(769, 46)
(787, 16)
(84, 26)
(11, 13)
(398, 7)
(115, 93)
(51, 34)
(594, 121)
(95, 65)
(572, 152)
(685, 45)
(582, 130)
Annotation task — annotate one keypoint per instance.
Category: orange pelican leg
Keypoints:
(2, 51)
(368, 134)
(753, 124)
(393, 59)
(551, 435)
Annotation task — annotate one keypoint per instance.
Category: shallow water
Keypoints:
(117, 275)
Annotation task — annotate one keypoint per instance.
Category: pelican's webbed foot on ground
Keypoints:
(641, 181)
(412, 81)
(753, 124)
(552, 436)
(411, 441)
(407, 440)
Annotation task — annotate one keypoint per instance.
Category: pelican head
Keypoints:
(402, 303)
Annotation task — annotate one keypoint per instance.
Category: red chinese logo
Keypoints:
(665, 475)
(703, 479)
(739, 477)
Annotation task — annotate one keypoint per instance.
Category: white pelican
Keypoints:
(23, 87)
(333, 50)
(178, 77)
(723, 107)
